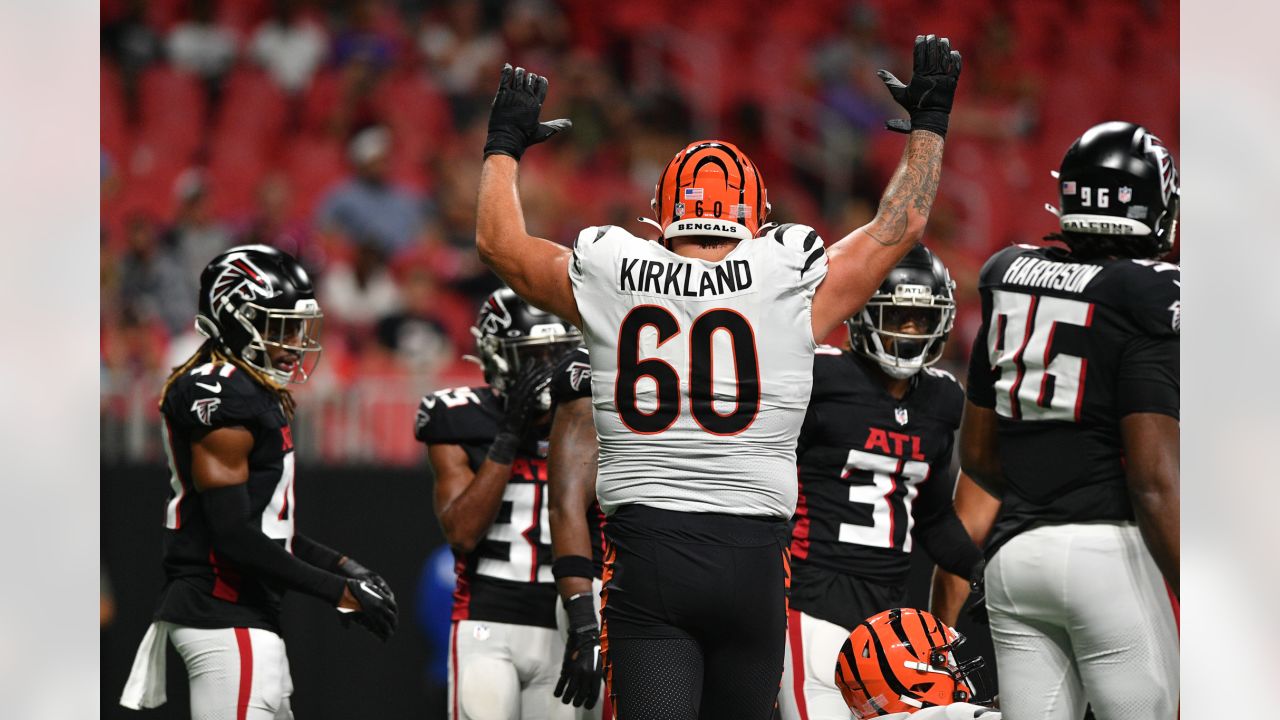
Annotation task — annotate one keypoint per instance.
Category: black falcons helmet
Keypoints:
(254, 297)
(1120, 180)
(920, 288)
(510, 332)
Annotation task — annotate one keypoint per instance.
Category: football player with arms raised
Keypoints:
(1072, 421)
(875, 472)
(701, 350)
(487, 446)
(231, 549)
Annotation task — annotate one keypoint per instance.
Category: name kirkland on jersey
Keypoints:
(1035, 272)
(653, 277)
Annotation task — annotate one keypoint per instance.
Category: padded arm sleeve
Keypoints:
(236, 536)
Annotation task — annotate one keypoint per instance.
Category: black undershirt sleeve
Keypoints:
(313, 553)
(236, 536)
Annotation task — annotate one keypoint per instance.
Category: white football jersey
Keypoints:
(700, 371)
(956, 711)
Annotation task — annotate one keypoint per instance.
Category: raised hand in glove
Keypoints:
(928, 97)
(513, 119)
(370, 607)
(352, 569)
(582, 671)
(526, 400)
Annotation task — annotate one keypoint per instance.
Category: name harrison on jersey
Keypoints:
(1035, 272)
(683, 279)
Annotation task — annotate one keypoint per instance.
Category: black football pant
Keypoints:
(694, 609)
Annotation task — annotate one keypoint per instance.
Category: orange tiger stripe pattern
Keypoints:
(710, 188)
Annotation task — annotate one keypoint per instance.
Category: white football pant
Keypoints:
(1081, 615)
(809, 689)
(499, 671)
(235, 673)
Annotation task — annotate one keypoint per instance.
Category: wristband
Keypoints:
(582, 612)
(573, 566)
(503, 449)
(934, 121)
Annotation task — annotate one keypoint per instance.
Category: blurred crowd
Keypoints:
(349, 134)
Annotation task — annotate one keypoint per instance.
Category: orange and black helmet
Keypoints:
(710, 188)
(901, 661)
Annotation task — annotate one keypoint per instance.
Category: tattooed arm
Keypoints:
(858, 263)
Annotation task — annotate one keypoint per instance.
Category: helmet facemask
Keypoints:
(295, 332)
(876, 331)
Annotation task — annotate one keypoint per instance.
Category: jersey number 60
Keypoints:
(631, 368)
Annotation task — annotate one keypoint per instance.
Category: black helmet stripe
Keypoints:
(887, 670)
(742, 189)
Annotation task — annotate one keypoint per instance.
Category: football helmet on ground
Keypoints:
(916, 294)
(254, 298)
(902, 660)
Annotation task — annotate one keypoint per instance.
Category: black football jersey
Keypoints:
(870, 467)
(203, 589)
(507, 577)
(1066, 349)
(572, 381)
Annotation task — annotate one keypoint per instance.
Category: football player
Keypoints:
(577, 540)
(230, 548)
(487, 446)
(1072, 420)
(875, 471)
(701, 351)
(900, 665)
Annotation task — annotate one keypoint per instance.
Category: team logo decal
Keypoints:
(1163, 161)
(496, 317)
(900, 414)
(241, 277)
(204, 408)
(1176, 309)
(1125, 194)
(424, 414)
(579, 372)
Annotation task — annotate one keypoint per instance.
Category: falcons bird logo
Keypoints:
(240, 277)
(579, 372)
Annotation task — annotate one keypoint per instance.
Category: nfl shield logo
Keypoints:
(901, 415)
(1125, 194)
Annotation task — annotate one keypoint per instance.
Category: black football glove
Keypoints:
(513, 119)
(582, 671)
(526, 400)
(352, 569)
(927, 99)
(977, 611)
(377, 613)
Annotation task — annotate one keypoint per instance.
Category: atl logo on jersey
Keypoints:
(878, 439)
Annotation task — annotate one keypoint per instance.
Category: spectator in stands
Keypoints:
(195, 235)
(368, 208)
(365, 36)
(133, 44)
(272, 225)
(458, 52)
(289, 46)
(199, 45)
(418, 334)
(152, 282)
(358, 292)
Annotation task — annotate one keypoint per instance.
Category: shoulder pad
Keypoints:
(803, 248)
(993, 269)
(572, 378)
(217, 395)
(454, 415)
(1152, 290)
(949, 395)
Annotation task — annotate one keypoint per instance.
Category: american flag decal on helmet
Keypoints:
(242, 277)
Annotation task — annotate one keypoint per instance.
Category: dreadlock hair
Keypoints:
(209, 351)
(1092, 247)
